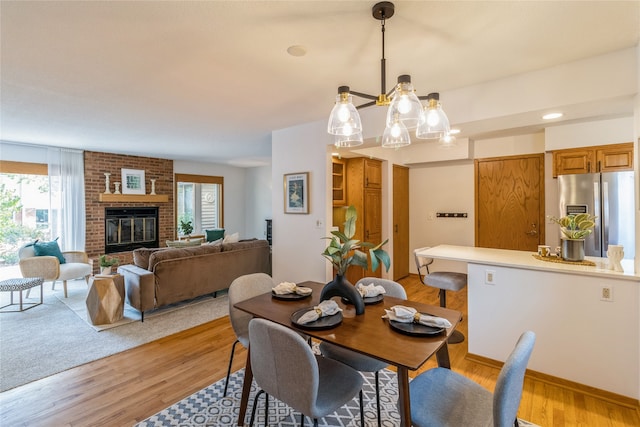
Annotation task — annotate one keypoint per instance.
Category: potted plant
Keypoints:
(344, 251)
(575, 228)
(106, 264)
(186, 228)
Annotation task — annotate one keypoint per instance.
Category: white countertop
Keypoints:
(526, 260)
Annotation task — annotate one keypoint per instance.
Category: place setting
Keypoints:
(409, 321)
(325, 315)
(371, 294)
(289, 291)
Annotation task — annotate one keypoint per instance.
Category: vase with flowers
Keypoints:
(575, 228)
(344, 251)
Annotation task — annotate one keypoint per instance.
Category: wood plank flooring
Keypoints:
(128, 387)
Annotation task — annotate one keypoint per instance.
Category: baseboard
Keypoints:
(608, 396)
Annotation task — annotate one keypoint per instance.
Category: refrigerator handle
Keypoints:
(605, 216)
(597, 210)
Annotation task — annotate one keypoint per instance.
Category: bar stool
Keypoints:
(443, 280)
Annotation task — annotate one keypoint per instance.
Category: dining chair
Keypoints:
(243, 288)
(442, 397)
(285, 367)
(356, 360)
(444, 281)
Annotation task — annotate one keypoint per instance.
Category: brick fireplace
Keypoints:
(95, 165)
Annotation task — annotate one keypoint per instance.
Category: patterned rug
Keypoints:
(209, 408)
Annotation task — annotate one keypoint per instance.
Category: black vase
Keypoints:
(340, 287)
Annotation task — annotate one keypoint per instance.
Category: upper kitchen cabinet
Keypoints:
(601, 158)
(339, 168)
(372, 173)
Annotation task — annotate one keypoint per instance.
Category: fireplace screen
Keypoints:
(129, 228)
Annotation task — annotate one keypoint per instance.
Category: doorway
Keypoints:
(509, 202)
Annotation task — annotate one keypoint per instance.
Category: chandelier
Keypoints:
(405, 110)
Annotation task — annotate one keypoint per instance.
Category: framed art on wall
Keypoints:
(296, 193)
(132, 181)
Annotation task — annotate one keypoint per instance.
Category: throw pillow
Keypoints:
(48, 249)
(215, 242)
(215, 234)
(231, 238)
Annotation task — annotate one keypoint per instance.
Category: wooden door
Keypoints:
(400, 222)
(510, 202)
(373, 222)
(372, 173)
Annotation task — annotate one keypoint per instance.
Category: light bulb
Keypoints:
(404, 104)
(347, 130)
(432, 117)
(395, 130)
(343, 113)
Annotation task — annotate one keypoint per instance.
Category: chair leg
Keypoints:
(301, 419)
(378, 397)
(53, 285)
(226, 384)
(362, 409)
(64, 285)
(266, 410)
(456, 337)
(255, 405)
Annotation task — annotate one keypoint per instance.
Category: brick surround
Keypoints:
(95, 165)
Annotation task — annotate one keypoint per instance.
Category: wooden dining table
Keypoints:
(368, 334)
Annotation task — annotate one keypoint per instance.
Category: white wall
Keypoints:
(258, 199)
(602, 132)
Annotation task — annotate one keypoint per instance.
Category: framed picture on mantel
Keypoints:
(132, 181)
(296, 193)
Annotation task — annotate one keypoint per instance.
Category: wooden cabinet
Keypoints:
(601, 158)
(364, 192)
(339, 182)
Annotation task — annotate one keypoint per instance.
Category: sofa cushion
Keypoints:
(243, 245)
(215, 234)
(48, 249)
(141, 256)
(183, 243)
(231, 238)
(172, 253)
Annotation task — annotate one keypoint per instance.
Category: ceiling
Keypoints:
(210, 80)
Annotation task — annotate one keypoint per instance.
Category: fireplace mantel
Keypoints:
(134, 198)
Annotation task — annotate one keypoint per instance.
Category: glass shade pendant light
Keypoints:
(344, 118)
(404, 104)
(343, 141)
(433, 122)
(396, 135)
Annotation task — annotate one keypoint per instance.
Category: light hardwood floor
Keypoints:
(128, 387)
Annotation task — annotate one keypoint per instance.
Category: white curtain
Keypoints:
(66, 189)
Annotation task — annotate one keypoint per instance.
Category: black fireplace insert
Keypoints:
(127, 229)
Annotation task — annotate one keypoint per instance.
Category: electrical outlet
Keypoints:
(489, 277)
(606, 293)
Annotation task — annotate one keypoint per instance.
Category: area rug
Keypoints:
(76, 301)
(208, 407)
(51, 338)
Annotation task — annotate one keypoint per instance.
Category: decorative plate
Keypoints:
(367, 300)
(289, 297)
(415, 329)
(326, 322)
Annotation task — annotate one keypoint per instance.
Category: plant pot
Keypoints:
(105, 270)
(340, 287)
(572, 249)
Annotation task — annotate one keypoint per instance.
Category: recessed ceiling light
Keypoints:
(551, 116)
(454, 131)
(297, 50)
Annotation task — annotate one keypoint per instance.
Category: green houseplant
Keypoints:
(106, 264)
(574, 227)
(344, 251)
(186, 227)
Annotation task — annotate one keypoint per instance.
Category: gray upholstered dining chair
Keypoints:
(285, 367)
(243, 288)
(442, 280)
(358, 361)
(441, 397)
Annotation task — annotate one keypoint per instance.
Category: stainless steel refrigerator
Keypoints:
(609, 196)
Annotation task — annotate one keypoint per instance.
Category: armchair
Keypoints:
(49, 268)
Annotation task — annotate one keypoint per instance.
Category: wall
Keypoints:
(258, 198)
(95, 165)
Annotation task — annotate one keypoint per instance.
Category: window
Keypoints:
(199, 199)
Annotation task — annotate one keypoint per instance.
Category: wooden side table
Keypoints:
(105, 301)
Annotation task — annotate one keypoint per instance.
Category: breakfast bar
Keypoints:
(586, 317)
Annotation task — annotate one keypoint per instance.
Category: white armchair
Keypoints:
(77, 265)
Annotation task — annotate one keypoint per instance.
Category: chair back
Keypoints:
(243, 288)
(26, 251)
(392, 289)
(508, 391)
(284, 365)
(422, 262)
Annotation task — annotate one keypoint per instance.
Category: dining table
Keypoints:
(368, 334)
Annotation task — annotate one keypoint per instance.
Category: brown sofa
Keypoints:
(165, 276)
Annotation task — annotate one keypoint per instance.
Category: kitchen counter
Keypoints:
(582, 336)
(526, 260)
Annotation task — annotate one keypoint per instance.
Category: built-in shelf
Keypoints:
(134, 198)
